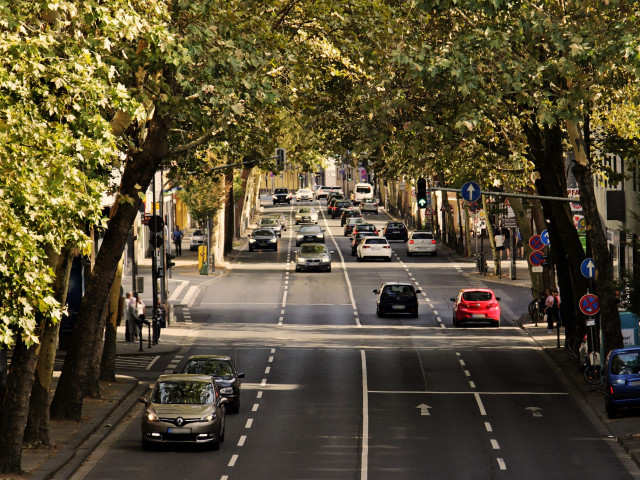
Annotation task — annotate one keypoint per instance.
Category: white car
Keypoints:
(362, 191)
(304, 194)
(306, 215)
(421, 242)
(197, 240)
(369, 205)
(373, 247)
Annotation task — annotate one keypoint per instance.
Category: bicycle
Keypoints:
(572, 344)
(536, 310)
(593, 367)
(481, 263)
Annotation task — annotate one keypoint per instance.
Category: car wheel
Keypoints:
(434, 254)
(359, 258)
(388, 259)
(353, 252)
(611, 410)
(496, 323)
(414, 315)
(329, 269)
(236, 406)
(215, 444)
(145, 444)
(409, 253)
(297, 268)
(275, 249)
(223, 426)
(376, 212)
(250, 248)
(455, 322)
(379, 313)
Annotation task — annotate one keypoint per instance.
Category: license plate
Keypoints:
(397, 307)
(478, 315)
(178, 430)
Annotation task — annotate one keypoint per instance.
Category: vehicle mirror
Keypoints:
(142, 400)
(452, 299)
(223, 400)
(497, 299)
(376, 291)
(249, 235)
(331, 252)
(418, 290)
(240, 375)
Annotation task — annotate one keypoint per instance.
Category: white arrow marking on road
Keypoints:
(535, 411)
(424, 409)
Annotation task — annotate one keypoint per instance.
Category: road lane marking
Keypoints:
(255, 407)
(233, 461)
(190, 296)
(263, 383)
(152, 362)
(259, 394)
(284, 299)
(176, 293)
(364, 456)
(267, 370)
(494, 444)
(241, 441)
(270, 359)
(483, 412)
(472, 384)
(503, 466)
(249, 423)
(442, 392)
(488, 427)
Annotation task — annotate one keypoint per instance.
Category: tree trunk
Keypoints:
(37, 429)
(545, 147)
(115, 311)
(138, 172)
(229, 218)
(13, 416)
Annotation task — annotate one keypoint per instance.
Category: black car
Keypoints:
(396, 231)
(357, 238)
(313, 256)
(397, 298)
(338, 207)
(223, 371)
(331, 201)
(282, 195)
(310, 234)
(263, 238)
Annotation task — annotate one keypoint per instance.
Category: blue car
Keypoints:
(622, 379)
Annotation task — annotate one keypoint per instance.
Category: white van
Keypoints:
(362, 191)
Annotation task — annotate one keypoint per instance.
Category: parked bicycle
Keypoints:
(536, 308)
(590, 359)
(481, 263)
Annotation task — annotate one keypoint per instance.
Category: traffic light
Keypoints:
(155, 240)
(169, 261)
(421, 193)
(281, 157)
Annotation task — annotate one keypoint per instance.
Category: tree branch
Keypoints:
(196, 143)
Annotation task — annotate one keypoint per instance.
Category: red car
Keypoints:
(476, 305)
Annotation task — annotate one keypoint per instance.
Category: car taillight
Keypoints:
(433, 242)
(366, 246)
(411, 242)
(386, 246)
(611, 388)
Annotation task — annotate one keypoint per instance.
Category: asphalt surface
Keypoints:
(74, 442)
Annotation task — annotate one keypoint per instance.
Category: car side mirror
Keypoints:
(331, 252)
(497, 299)
(418, 290)
(223, 400)
(240, 375)
(249, 236)
(142, 400)
(452, 299)
(376, 291)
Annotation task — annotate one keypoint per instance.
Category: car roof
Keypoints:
(397, 283)
(377, 236)
(209, 357)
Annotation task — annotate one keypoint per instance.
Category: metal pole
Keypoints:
(154, 258)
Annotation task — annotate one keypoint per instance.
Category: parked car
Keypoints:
(365, 227)
(304, 194)
(373, 247)
(197, 240)
(282, 195)
(263, 238)
(280, 217)
(421, 242)
(273, 223)
(369, 205)
(306, 215)
(313, 256)
(348, 213)
(309, 234)
(397, 298)
(621, 380)
(338, 207)
(396, 231)
(476, 305)
(352, 222)
(224, 373)
(183, 408)
(357, 238)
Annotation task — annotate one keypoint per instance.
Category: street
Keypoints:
(332, 391)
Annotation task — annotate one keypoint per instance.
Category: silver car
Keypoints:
(183, 408)
(306, 215)
(272, 223)
(313, 256)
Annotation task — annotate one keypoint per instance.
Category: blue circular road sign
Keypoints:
(544, 236)
(588, 268)
(535, 242)
(536, 258)
(470, 191)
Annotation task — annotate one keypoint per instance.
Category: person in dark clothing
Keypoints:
(177, 240)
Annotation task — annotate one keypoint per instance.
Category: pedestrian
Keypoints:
(177, 240)
(506, 235)
(519, 245)
(552, 308)
(499, 242)
(131, 317)
(140, 310)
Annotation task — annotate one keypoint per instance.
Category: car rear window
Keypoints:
(376, 241)
(476, 296)
(423, 236)
(363, 189)
(395, 225)
(625, 363)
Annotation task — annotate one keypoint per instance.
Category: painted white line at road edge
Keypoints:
(364, 456)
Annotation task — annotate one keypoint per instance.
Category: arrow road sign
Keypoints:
(470, 191)
(536, 258)
(588, 268)
(535, 242)
(589, 304)
(424, 409)
(544, 236)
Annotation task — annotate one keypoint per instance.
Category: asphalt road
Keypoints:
(334, 392)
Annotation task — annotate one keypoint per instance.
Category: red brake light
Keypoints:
(386, 246)
(433, 242)
(411, 242)
(366, 246)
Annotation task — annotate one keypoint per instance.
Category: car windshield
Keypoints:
(376, 241)
(197, 233)
(209, 366)
(264, 233)
(304, 210)
(310, 229)
(626, 363)
(366, 227)
(476, 296)
(422, 236)
(398, 290)
(268, 221)
(183, 392)
(355, 221)
(281, 190)
(313, 249)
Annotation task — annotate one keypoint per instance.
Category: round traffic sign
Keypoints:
(470, 191)
(589, 304)
(535, 242)
(155, 223)
(588, 268)
(536, 258)
(544, 236)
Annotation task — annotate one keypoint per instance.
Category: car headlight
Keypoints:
(325, 260)
(151, 416)
(299, 237)
(209, 417)
(226, 390)
(301, 261)
(252, 240)
(320, 235)
(273, 240)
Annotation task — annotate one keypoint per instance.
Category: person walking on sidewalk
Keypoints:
(177, 240)
(499, 242)
(131, 317)
(552, 308)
